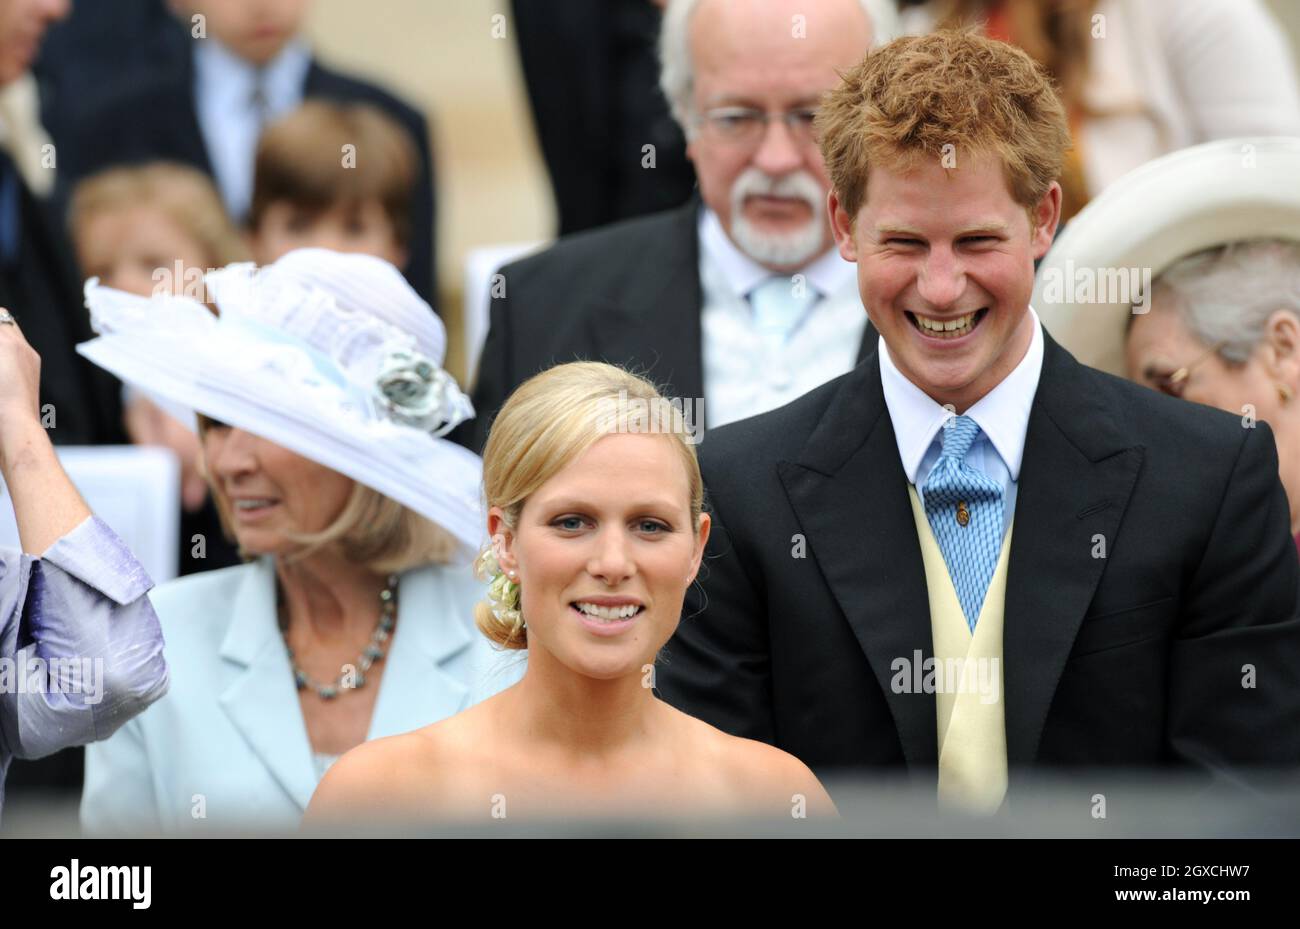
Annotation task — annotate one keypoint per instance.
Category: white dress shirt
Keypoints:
(1002, 415)
(224, 87)
(742, 377)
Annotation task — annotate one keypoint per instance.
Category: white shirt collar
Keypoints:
(224, 74)
(828, 272)
(1002, 414)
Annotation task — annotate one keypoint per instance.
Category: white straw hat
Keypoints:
(1171, 207)
(332, 356)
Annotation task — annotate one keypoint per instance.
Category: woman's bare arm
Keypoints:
(46, 504)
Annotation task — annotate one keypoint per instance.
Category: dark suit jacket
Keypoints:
(147, 118)
(83, 56)
(40, 288)
(592, 72)
(628, 294)
(1135, 658)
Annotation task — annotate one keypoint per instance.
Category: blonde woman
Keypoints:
(597, 531)
(322, 406)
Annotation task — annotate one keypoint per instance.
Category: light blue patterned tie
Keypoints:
(964, 507)
(779, 303)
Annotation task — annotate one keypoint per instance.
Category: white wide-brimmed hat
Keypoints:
(1181, 203)
(332, 356)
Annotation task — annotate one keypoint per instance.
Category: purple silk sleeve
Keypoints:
(81, 651)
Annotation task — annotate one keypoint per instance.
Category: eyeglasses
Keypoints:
(745, 127)
(1174, 384)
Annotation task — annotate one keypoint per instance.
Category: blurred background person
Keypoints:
(1141, 78)
(333, 176)
(1224, 330)
(81, 405)
(98, 46)
(249, 65)
(592, 72)
(737, 298)
(79, 641)
(327, 464)
(597, 531)
(1220, 322)
(145, 229)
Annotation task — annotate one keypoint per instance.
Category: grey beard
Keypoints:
(788, 249)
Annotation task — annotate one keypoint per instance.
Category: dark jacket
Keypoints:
(592, 72)
(147, 118)
(1133, 658)
(628, 294)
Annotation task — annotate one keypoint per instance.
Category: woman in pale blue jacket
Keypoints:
(321, 409)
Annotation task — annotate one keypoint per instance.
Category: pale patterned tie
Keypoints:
(964, 507)
(259, 101)
(779, 304)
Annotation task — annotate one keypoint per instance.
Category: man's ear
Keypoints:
(842, 227)
(1046, 216)
(706, 524)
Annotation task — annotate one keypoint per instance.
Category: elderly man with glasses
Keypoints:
(736, 302)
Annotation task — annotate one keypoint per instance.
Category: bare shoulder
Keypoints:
(373, 777)
(764, 772)
(419, 773)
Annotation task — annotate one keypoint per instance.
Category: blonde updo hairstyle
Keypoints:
(548, 422)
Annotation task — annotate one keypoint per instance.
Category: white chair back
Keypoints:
(135, 489)
(480, 266)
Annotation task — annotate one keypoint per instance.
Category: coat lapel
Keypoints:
(870, 341)
(322, 82)
(1075, 481)
(416, 688)
(849, 494)
(186, 137)
(666, 313)
(262, 701)
(655, 329)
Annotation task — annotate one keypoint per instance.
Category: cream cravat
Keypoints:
(23, 136)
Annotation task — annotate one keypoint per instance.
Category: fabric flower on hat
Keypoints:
(415, 391)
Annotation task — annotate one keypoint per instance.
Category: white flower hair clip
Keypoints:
(503, 589)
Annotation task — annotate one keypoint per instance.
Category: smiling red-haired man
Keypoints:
(971, 555)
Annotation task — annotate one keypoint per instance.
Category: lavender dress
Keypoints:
(81, 651)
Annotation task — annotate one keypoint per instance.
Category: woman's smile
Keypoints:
(607, 615)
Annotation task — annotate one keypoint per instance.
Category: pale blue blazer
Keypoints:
(226, 750)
